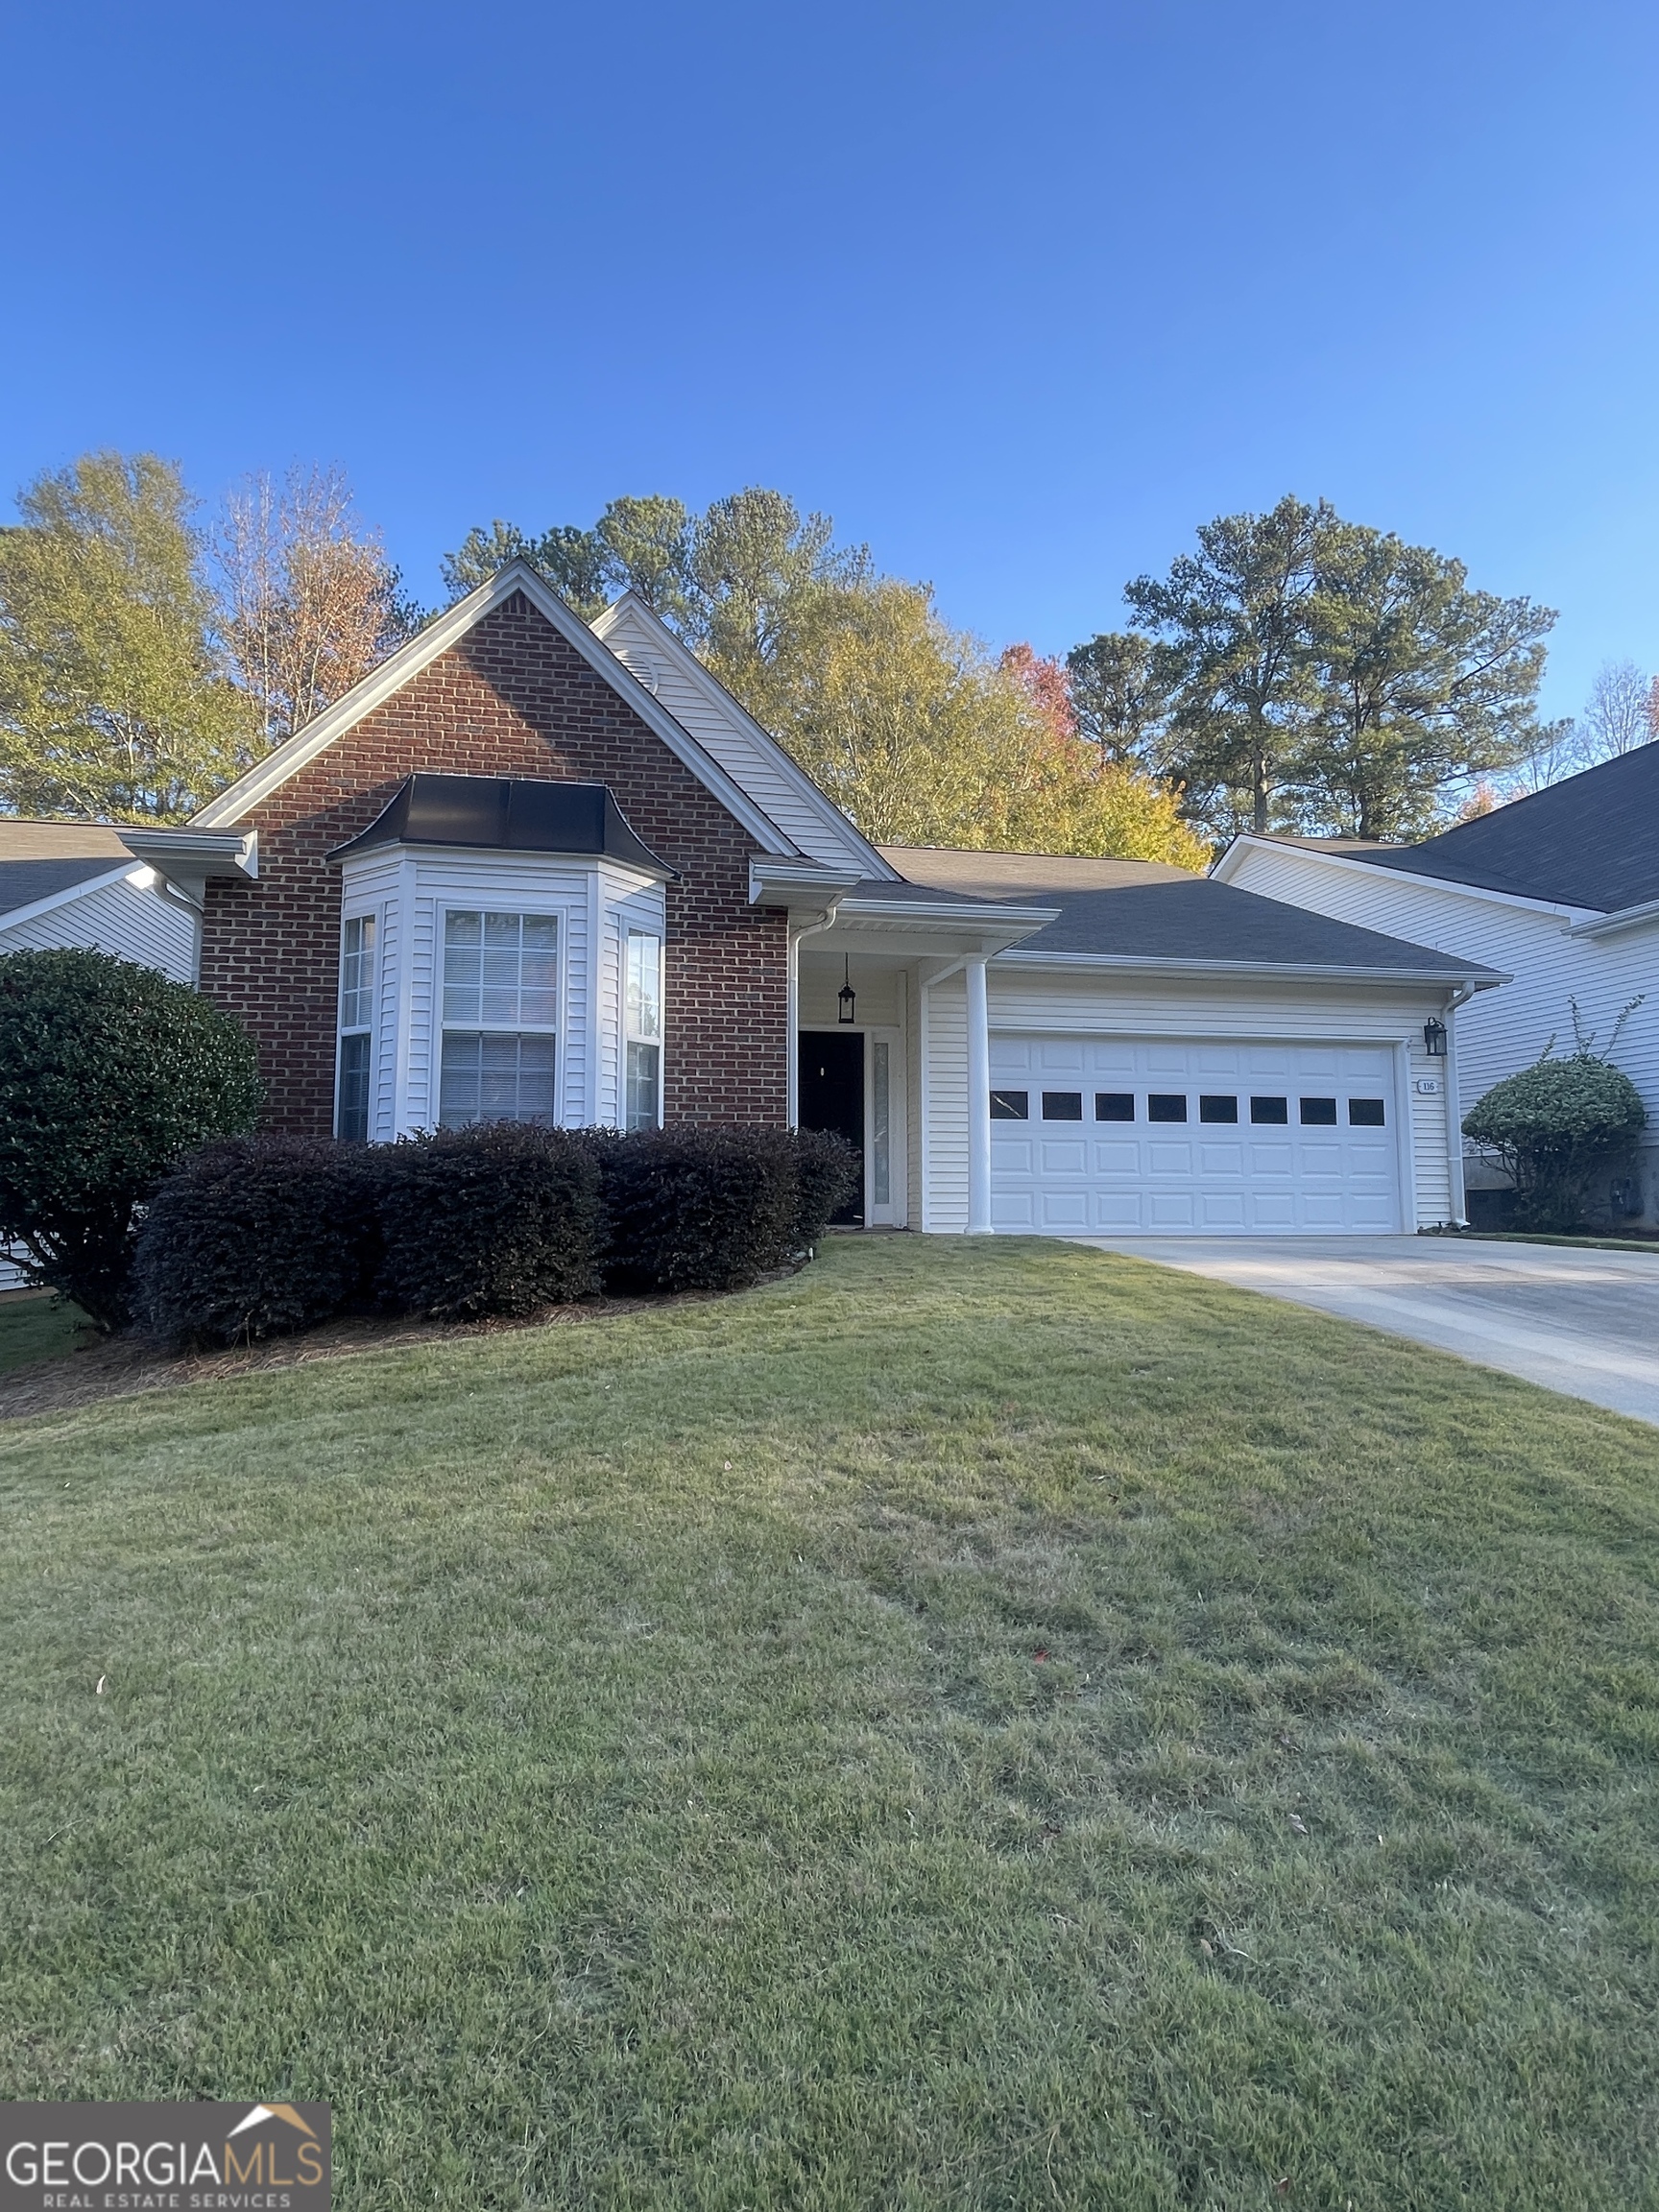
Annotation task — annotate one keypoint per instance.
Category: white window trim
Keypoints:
(661, 1039)
(369, 1028)
(557, 910)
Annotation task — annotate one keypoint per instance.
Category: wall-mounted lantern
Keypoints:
(847, 998)
(1435, 1038)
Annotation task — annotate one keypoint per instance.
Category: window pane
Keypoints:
(1010, 1105)
(1114, 1105)
(1321, 1113)
(486, 1077)
(1276, 1109)
(1365, 1113)
(641, 1104)
(357, 972)
(351, 1114)
(1166, 1106)
(500, 970)
(1061, 1105)
(880, 1142)
(1214, 1107)
(644, 991)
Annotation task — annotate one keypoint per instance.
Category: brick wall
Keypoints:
(512, 698)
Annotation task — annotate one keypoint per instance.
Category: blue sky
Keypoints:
(1019, 293)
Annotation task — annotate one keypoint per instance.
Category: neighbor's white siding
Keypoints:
(132, 920)
(1499, 1031)
(1083, 1003)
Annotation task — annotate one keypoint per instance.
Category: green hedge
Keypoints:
(264, 1235)
(1561, 1128)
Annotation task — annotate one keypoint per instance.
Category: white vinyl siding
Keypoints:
(129, 921)
(809, 819)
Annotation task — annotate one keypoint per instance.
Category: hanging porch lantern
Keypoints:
(847, 998)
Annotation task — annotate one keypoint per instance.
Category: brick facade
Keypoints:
(510, 698)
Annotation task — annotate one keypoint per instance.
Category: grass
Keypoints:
(34, 1327)
(973, 1725)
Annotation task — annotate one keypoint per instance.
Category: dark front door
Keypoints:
(833, 1094)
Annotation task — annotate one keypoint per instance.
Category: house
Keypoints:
(80, 883)
(1560, 891)
(533, 867)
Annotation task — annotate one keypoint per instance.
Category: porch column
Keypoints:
(978, 1101)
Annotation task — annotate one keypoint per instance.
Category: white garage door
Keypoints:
(1168, 1136)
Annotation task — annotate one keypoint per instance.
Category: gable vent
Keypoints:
(643, 671)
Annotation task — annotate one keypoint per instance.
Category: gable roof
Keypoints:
(1141, 913)
(507, 814)
(442, 632)
(42, 860)
(1590, 840)
(725, 729)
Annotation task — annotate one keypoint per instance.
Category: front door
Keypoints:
(831, 1065)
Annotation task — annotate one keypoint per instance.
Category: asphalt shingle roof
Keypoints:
(40, 859)
(1590, 841)
(1141, 910)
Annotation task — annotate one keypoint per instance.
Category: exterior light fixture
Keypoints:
(1435, 1039)
(847, 998)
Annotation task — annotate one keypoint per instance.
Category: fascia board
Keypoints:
(502, 858)
(717, 696)
(998, 918)
(1621, 918)
(1224, 872)
(122, 873)
(379, 684)
(1304, 972)
(193, 851)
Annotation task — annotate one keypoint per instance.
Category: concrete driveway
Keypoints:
(1585, 1323)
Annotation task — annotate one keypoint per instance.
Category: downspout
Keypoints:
(1453, 1110)
(792, 997)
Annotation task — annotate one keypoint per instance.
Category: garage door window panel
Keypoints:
(1114, 1105)
(1061, 1105)
(1216, 1106)
(1365, 1114)
(1270, 1112)
(1010, 1105)
(1166, 1106)
(1318, 1113)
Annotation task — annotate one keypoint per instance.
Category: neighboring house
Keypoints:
(1560, 891)
(78, 883)
(534, 869)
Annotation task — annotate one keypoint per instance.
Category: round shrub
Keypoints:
(110, 1074)
(500, 1217)
(696, 1209)
(253, 1238)
(1557, 1127)
(828, 1175)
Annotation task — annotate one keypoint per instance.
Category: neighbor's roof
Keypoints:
(1141, 911)
(1592, 840)
(507, 814)
(39, 859)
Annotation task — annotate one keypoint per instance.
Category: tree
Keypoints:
(311, 603)
(1234, 623)
(1620, 714)
(114, 701)
(110, 1074)
(1046, 684)
(573, 562)
(1120, 695)
(922, 738)
(1420, 684)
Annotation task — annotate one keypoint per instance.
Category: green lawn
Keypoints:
(973, 1725)
(34, 1326)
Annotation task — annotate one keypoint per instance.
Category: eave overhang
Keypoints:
(1300, 971)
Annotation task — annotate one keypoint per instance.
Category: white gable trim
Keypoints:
(380, 683)
(124, 872)
(1224, 871)
(722, 701)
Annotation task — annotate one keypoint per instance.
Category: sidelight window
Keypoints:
(356, 1026)
(498, 1058)
(643, 1044)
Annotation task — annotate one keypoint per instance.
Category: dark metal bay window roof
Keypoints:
(508, 814)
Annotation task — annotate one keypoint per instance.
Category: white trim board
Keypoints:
(1224, 872)
(439, 635)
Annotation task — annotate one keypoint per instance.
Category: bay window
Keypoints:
(356, 1026)
(500, 1025)
(642, 1030)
